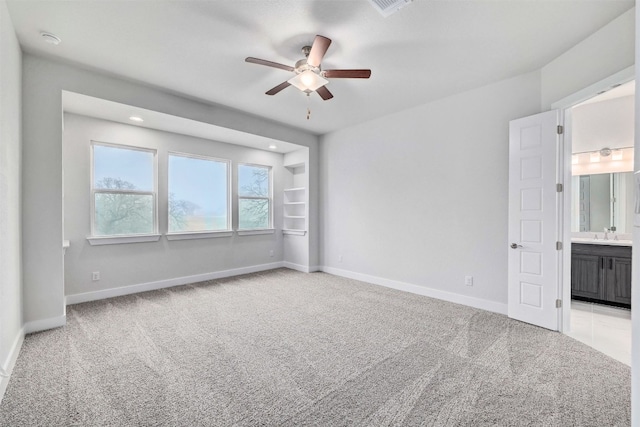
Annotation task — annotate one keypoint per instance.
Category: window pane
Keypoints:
(254, 213)
(123, 214)
(122, 168)
(197, 194)
(253, 181)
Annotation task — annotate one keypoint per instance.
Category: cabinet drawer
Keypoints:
(601, 250)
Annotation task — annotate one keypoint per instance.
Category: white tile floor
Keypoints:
(607, 329)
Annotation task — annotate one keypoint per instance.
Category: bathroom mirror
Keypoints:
(602, 201)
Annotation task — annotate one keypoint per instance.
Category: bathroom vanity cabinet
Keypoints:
(601, 273)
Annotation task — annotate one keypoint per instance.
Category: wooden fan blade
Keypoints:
(278, 88)
(347, 74)
(318, 49)
(268, 63)
(324, 93)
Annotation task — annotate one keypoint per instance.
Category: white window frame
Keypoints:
(251, 231)
(123, 238)
(185, 235)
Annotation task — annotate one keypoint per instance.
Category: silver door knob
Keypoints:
(515, 246)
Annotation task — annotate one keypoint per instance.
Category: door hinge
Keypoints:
(558, 246)
(560, 129)
(558, 303)
(559, 188)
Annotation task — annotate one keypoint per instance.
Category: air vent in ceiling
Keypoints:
(387, 7)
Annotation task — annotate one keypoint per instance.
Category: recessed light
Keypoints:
(50, 38)
(136, 119)
(273, 146)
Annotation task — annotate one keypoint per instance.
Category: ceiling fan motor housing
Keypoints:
(303, 65)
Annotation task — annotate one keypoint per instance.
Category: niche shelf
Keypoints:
(295, 218)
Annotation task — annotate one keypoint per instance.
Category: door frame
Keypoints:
(564, 170)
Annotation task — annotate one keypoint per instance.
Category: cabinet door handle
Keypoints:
(610, 263)
(602, 263)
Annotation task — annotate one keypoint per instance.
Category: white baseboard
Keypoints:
(483, 304)
(44, 324)
(300, 267)
(161, 284)
(7, 365)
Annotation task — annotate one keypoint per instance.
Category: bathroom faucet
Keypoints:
(606, 233)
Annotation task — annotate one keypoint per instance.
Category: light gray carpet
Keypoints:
(283, 348)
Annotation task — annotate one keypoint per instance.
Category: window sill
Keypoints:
(294, 232)
(118, 240)
(198, 235)
(256, 232)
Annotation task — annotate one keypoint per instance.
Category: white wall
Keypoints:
(141, 263)
(42, 175)
(10, 199)
(603, 124)
(627, 202)
(605, 52)
(635, 286)
(420, 197)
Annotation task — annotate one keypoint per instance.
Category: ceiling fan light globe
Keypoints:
(308, 81)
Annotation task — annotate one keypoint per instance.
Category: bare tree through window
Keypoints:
(254, 201)
(120, 210)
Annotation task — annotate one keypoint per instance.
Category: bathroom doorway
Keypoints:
(601, 201)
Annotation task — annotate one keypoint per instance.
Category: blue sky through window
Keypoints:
(133, 166)
(199, 181)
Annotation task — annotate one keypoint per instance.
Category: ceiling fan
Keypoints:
(309, 76)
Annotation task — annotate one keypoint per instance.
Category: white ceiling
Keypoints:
(428, 50)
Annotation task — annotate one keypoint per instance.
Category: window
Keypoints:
(254, 197)
(198, 194)
(123, 190)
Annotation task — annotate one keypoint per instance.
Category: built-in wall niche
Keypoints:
(295, 201)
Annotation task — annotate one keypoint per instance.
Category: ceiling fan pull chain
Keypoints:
(309, 106)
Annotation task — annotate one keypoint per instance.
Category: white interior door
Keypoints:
(533, 219)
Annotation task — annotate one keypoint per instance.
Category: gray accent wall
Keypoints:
(10, 192)
(122, 265)
(44, 81)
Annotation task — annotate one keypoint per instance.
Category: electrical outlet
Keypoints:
(468, 280)
(340, 258)
(271, 254)
(95, 276)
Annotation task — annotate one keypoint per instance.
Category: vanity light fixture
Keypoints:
(136, 119)
(606, 160)
(605, 152)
